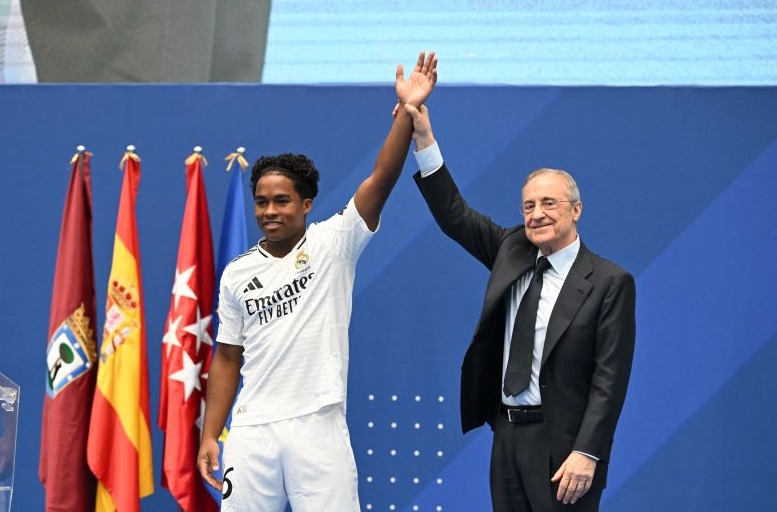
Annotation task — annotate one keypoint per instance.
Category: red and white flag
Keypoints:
(186, 348)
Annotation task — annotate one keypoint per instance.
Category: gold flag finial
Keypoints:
(80, 150)
(130, 153)
(237, 155)
(197, 155)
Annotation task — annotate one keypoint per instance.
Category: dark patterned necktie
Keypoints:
(518, 371)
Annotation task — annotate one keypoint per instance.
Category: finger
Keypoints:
(427, 64)
(212, 461)
(211, 458)
(412, 110)
(419, 65)
(205, 470)
(571, 493)
(580, 491)
(431, 63)
(210, 480)
(564, 489)
(400, 73)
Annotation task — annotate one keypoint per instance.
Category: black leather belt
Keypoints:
(522, 413)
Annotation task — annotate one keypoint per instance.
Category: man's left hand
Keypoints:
(574, 477)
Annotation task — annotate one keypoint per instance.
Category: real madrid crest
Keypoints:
(301, 260)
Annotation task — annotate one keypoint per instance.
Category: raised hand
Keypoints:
(420, 83)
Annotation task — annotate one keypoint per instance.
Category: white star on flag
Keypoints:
(181, 285)
(200, 330)
(171, 336)
(180, 405)
(189, 375)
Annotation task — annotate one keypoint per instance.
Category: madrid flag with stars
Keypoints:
(186, 350)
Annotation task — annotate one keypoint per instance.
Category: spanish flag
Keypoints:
(119, 446)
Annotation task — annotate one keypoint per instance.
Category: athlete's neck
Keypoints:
(280, 248)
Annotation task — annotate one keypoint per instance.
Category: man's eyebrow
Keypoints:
(545, 198)
(276, 196)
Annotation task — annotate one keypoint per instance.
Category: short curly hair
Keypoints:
(298, 168)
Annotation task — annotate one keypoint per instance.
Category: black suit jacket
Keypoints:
(589, 344)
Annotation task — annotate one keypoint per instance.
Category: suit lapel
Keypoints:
(511, 263)
(573, 293)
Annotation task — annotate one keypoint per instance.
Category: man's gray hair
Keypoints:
(572, 189)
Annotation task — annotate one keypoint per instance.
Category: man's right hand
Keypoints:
(422, 126)
(208, 462)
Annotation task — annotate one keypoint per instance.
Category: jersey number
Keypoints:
(227, 485)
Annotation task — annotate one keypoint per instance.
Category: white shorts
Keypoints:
(307, 461)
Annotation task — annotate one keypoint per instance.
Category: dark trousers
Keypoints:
(521, 471)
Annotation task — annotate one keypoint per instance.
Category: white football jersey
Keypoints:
(291, 316)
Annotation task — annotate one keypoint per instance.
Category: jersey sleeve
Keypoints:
(230, 328)
(347, 231)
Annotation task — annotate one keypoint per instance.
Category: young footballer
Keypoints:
(284, 310)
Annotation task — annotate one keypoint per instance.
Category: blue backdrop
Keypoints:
(677, 186)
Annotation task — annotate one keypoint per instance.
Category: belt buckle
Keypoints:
(520, 415)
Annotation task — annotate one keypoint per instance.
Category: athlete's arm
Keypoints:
(223, 379)
(374, 191)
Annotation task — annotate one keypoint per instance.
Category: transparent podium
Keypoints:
(9, 416)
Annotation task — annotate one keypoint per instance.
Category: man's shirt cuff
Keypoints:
(587, 455)
(428, 159)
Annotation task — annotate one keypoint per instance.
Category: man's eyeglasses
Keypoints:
(546, 204)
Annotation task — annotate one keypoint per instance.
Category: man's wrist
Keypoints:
(587, 455)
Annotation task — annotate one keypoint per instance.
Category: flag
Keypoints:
(234, 232)
(71, 353)
(119, 448)
(233, 242)
(187, 345)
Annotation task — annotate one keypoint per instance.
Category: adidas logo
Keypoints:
(253, 284)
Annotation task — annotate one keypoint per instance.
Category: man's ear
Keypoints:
(577, 211)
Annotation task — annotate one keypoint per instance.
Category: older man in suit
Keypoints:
(549, 378)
